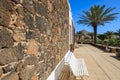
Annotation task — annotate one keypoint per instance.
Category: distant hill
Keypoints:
(85, 32)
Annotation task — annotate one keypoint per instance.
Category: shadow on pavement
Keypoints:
(118, 58)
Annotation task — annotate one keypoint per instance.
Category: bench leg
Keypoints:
(80, 78)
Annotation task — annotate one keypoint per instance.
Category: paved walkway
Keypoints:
(101, 65)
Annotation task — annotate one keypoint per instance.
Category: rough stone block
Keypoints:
(6, 39)
(21, 10)
(19, 36)
(19, 50)
(4, 17)
(30, 35)
(28, 4)
(27, 73)
(6, 4)
(40, 9)
(33, 47)
(11, 55)
(40, 23)
(28, 19)
(31, 60)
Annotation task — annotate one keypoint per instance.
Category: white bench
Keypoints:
(78, 67)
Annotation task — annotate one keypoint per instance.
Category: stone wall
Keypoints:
(33, 37)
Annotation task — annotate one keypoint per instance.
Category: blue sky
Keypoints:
(77, 6)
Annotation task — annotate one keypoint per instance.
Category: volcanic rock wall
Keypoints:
(33, 37)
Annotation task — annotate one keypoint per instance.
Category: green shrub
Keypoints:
(100, 41)
(102, 36)
(113, 42)
(119, 43)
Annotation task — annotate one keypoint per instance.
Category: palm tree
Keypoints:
(97, 15)
(109, 34)
(79, 35)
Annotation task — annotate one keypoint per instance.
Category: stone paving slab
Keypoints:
(101, 65)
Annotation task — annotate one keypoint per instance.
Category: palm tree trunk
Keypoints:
(95, 34)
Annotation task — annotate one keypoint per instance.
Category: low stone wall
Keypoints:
(33, 37)
(118, 51)
(100, 46)
(107, 48)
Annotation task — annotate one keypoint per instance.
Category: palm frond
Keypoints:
(97, 15)
(105, 12)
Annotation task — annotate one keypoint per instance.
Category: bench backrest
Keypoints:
(78, 66)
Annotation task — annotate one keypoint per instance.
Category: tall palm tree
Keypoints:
(97, 15)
